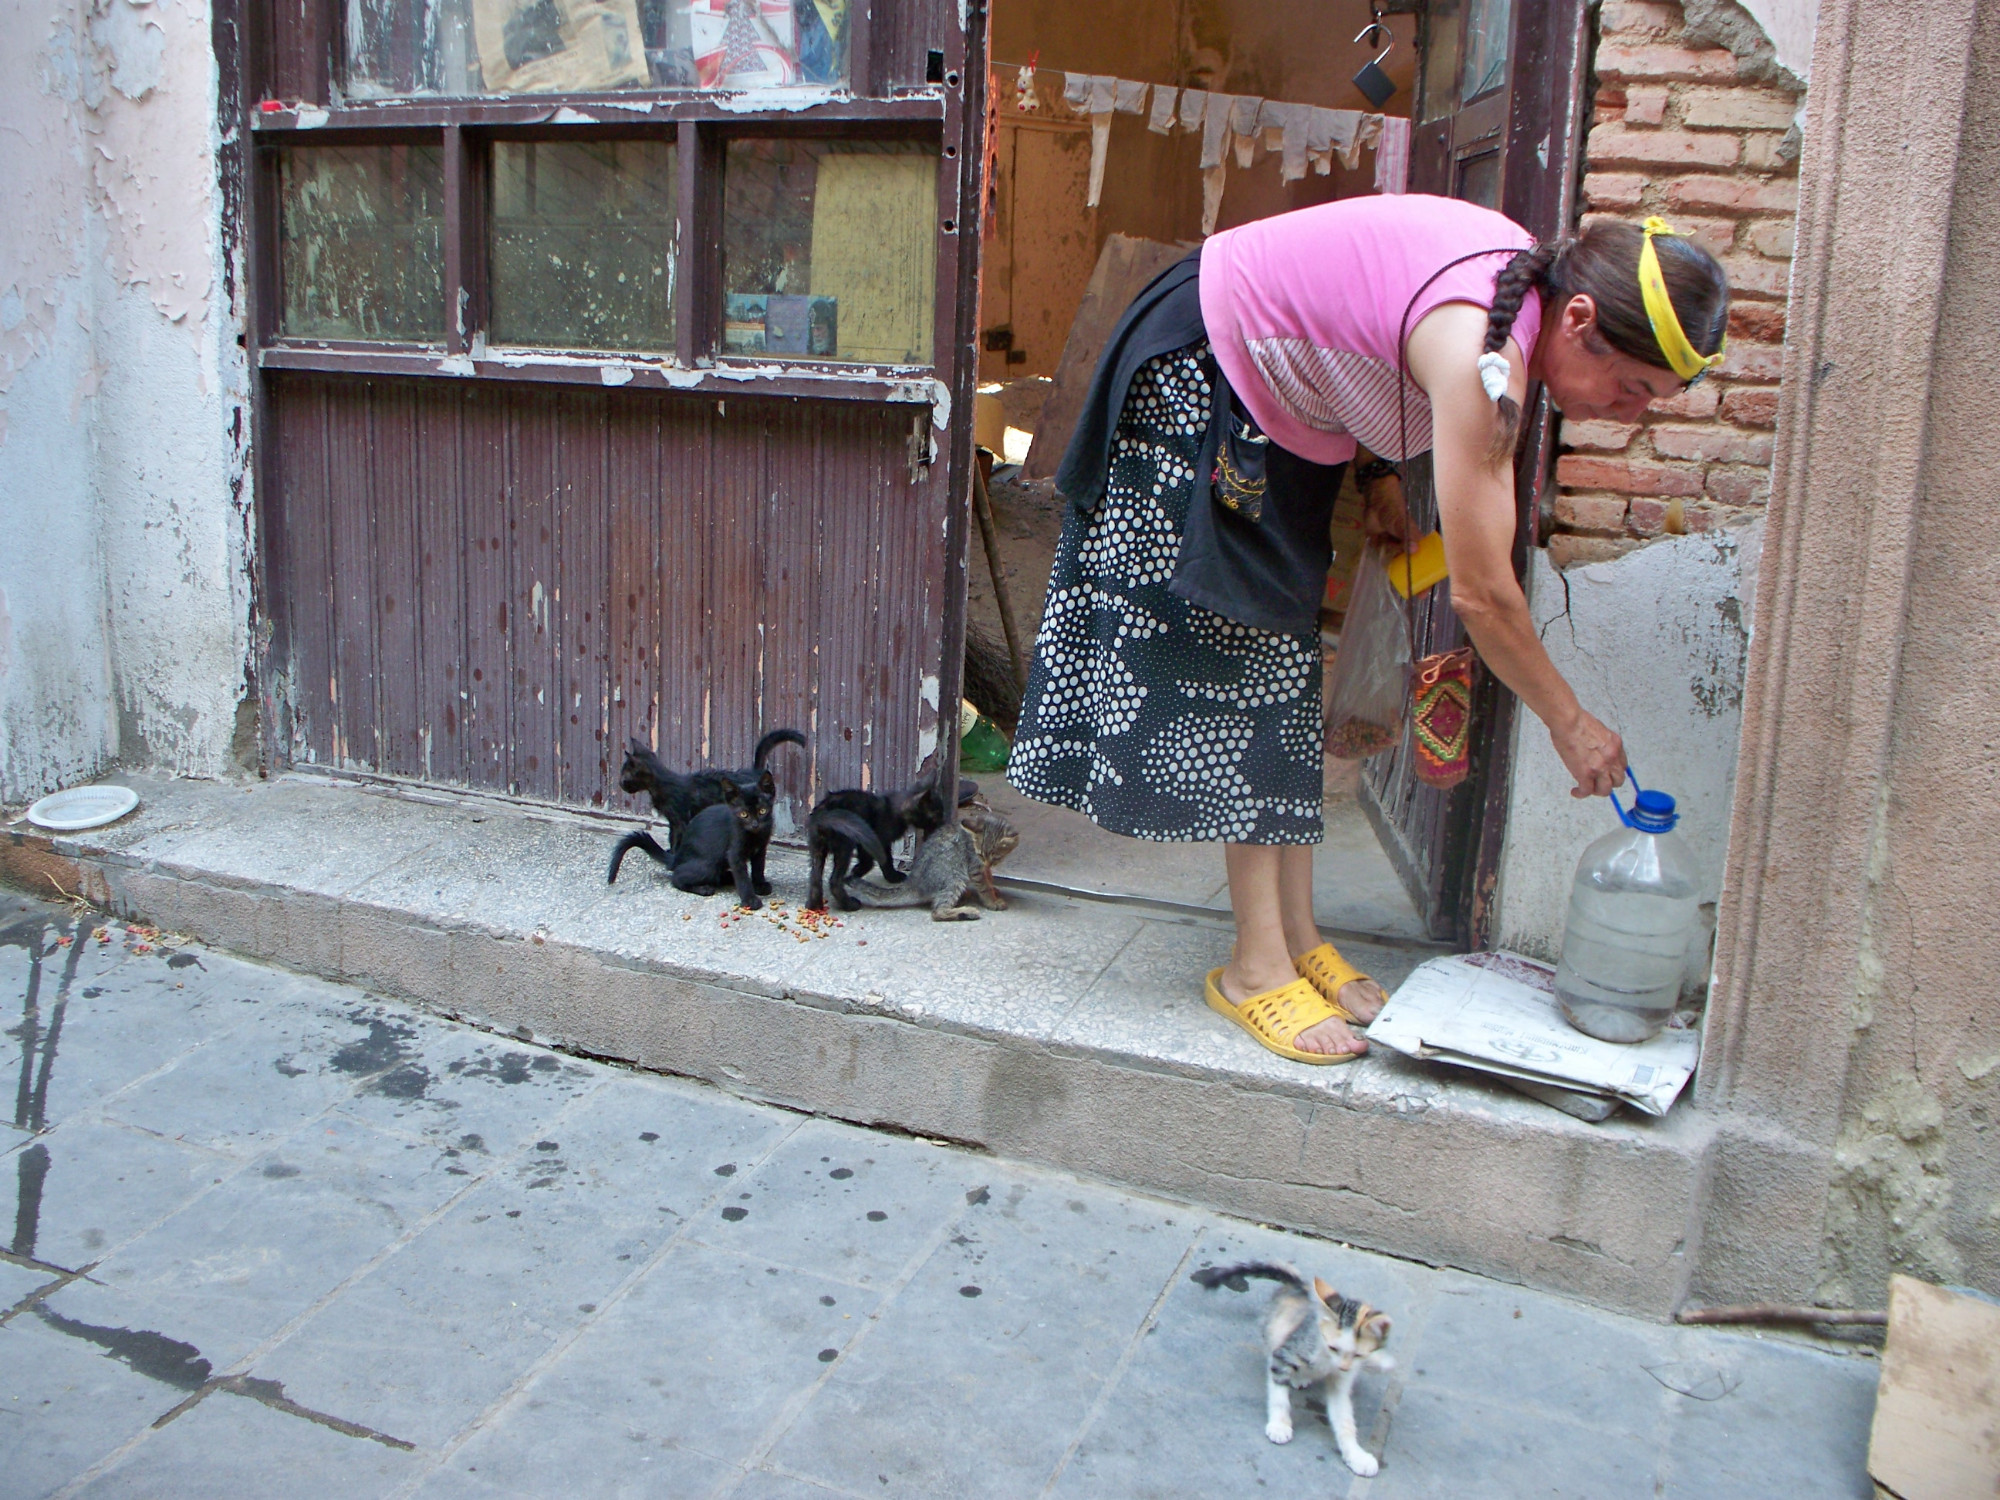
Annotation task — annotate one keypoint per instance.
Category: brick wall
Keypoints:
(1683, 130)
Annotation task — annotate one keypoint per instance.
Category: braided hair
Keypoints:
(1533, 270)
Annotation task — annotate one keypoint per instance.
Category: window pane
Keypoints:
(1444, 31)
(583, 244)
(402, 47)
(829, 250)
(361, 246)
(1479, 179)
(1489, 32)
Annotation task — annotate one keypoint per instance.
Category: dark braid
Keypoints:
(1531, 270)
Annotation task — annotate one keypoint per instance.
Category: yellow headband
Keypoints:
(1681, 355)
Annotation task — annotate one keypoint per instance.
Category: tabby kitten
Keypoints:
(1314, 1337)
(952, 871)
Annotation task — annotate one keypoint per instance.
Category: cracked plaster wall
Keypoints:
(124, 597)
(1654, 643)
(1916, 1170)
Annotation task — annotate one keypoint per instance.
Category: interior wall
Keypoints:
(1042, 242)
(124, 626)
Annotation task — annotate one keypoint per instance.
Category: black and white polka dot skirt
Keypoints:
(1155, 717)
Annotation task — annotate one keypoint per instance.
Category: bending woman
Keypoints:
(1175, 693)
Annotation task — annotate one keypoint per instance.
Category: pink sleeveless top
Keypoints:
(1302, 311)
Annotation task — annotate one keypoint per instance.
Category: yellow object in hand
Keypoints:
(1416, 572)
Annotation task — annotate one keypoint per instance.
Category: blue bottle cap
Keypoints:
(1652, 812)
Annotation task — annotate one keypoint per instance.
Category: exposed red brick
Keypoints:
(1644, 106)
(1640, 18)
(1737, 109)
(1613, 189)
(1648, 63)
(1617, 144)
(1750, 360)
(1733, 195)
(1607, 437)
(1696, 401)
(1757, 320)
(1647, 517)
(1711, 442)
(1753, 275)
(1764, 151)
(1756, 406)
(1738, 486)
(1600, 515)
(1567, 551)
(1625, 476)
(1773, 237)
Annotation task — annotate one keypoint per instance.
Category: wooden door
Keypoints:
(1499, 121)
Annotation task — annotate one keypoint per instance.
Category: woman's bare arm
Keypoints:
(1476, 512)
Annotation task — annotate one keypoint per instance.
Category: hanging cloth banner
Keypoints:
(1244, 112)
(1103, 96)
(1161, 121)
(1129, 98)
(1392, 156)
(1194, 106)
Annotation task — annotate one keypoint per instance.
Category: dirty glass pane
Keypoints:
(1444, 32)
(1479, 179)
(829, 250)
(1489, 31)
(361, 247)
(401, 47)
(583, 244)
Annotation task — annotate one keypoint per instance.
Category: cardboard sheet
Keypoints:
(1497, 1012)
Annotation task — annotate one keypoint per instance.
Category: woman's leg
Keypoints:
(1263, 957)
(1295, 904)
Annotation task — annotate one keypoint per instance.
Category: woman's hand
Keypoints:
(1385, 518)
(1593, 754)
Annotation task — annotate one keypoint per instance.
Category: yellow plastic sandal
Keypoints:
(1277, 1017)
(1328, 973)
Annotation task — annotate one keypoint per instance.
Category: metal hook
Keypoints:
(1373, 32)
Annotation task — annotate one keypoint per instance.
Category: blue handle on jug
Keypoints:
(1623, 816)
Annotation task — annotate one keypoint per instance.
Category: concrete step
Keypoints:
(1065, 1030)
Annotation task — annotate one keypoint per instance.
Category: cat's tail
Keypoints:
(1237, 1277)
(640, 839)
(771, 742)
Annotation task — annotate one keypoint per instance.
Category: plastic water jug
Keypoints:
(1632, 908)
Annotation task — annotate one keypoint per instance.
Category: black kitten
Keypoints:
(716, 848)
(679, 798)
(920, 806)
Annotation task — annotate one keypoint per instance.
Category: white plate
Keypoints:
(83, 807)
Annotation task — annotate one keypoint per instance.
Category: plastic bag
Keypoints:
(1371, 675)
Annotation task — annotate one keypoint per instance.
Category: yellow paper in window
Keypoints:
(873, 252)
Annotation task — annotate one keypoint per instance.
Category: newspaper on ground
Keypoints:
(1497, 1012)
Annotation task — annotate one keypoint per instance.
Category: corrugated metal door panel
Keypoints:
(393, 490)
(351, 508)
(681, 585)
(537, 475)
(581, 582)
(486, 709)
(636, 578)
(441, 574)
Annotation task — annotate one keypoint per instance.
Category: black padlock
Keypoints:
(1376, 85)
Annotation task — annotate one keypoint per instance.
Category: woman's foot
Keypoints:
(1364, 997)
(1330, 1037)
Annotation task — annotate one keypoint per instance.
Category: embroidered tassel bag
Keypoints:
(1441, 683)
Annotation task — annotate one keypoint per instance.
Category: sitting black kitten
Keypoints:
(679, 798)
(920, 806)
(715, 849)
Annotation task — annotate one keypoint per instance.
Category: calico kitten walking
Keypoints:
(1314, 1337)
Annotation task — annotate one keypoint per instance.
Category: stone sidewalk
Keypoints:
(273, 1237)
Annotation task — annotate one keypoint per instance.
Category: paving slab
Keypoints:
(351, 1299)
